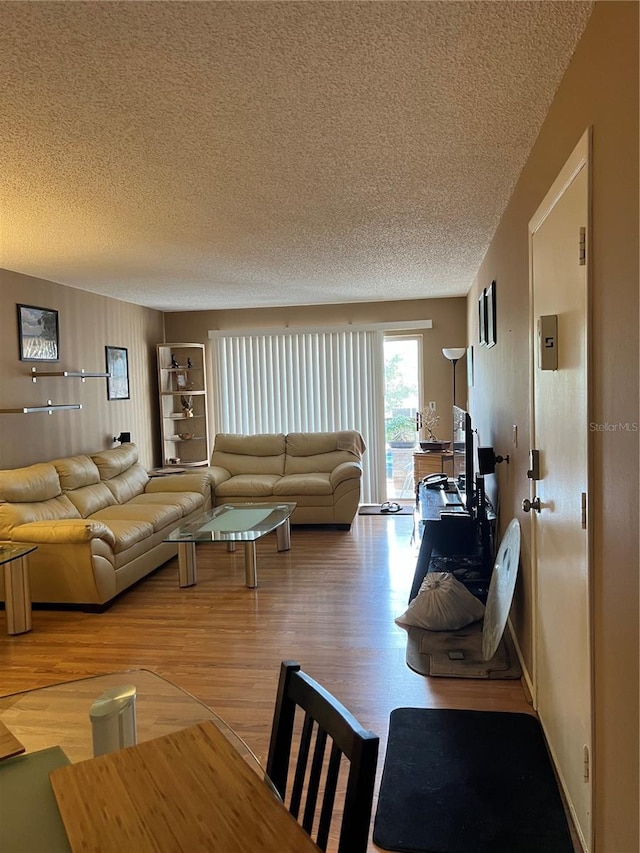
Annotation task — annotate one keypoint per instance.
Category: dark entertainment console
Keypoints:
(453, 539)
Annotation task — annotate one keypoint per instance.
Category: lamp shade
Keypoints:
(453, 353)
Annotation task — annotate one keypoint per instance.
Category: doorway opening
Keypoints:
(402, 400)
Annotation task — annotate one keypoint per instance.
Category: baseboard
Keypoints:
(526, 677)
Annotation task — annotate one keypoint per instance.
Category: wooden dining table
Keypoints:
(187, 791)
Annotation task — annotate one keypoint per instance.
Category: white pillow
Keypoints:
(442, 604)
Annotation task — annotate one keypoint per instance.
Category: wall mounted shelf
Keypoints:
(50, 408)
(183, 392)
(75, 374)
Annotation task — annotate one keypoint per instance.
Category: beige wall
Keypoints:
(449, 329)
(87, 324)
(600, 89)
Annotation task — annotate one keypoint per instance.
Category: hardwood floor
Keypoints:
(328, 603)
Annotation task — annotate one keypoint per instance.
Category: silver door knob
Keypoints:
(528, 505)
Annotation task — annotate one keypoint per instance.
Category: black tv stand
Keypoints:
(455, 540)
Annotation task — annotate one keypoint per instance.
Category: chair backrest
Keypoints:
(315, 772)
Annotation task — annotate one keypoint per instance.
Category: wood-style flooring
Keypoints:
(328, 603)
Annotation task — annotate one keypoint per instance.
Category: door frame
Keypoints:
(579, 159)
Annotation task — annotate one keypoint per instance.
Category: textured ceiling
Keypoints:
(204, 154)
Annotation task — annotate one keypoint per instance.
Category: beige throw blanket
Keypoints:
(352, 441)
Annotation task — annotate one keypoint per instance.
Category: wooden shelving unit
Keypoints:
(182, 388)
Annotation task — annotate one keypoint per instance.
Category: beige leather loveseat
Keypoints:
(319, 471)
(98, 521)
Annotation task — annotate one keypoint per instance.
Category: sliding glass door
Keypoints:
(402, 399)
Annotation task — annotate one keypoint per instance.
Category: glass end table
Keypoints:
(14, 560)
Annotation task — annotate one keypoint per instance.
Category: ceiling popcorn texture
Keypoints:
(203, 155)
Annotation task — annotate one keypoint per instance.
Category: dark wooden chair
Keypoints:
(315, 773)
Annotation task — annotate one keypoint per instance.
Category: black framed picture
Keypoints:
(491, 315)
(482, 318)
(118, 366)
(39, 333)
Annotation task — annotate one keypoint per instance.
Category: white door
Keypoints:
(560, 545)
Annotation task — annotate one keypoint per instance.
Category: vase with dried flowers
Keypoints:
(186, 401)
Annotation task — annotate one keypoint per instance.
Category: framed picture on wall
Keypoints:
(118, 366)
(38, 333)
(491, 315)
(482, 318)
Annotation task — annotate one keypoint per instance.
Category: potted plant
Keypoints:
(429, 421)
(400, 431)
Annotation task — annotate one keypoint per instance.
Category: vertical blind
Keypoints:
(312, 381)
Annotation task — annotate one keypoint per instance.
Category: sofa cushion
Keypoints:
(114, 461)
(64, 531)
(76, 472)
(322, 462)
(157, 515)
(303, 484)
(128, 484)
(187, 502)
(309, 452)
(128, 532)
(311, 443)
(14, 514)
(247, 485)
(90, 499)
(263, 453)
(38, 482)
(198, 480)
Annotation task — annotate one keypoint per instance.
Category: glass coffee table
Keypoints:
(231, 524)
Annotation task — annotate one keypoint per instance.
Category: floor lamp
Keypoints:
(454, 354)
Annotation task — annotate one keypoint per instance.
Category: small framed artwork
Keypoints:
(39, 334)
(470, 367)
(491, 315)
(118, 366)
(482, 318)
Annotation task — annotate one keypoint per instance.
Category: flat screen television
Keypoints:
(463, 468)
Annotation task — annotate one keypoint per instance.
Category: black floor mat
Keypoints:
(468, 782)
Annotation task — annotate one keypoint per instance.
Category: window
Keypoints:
(304, 381)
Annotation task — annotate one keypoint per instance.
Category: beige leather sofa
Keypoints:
(98, 522)
(319, 471)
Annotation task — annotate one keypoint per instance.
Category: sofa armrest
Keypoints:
(66, 531)
(345, 471)
(218, 475)
(192, 481)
